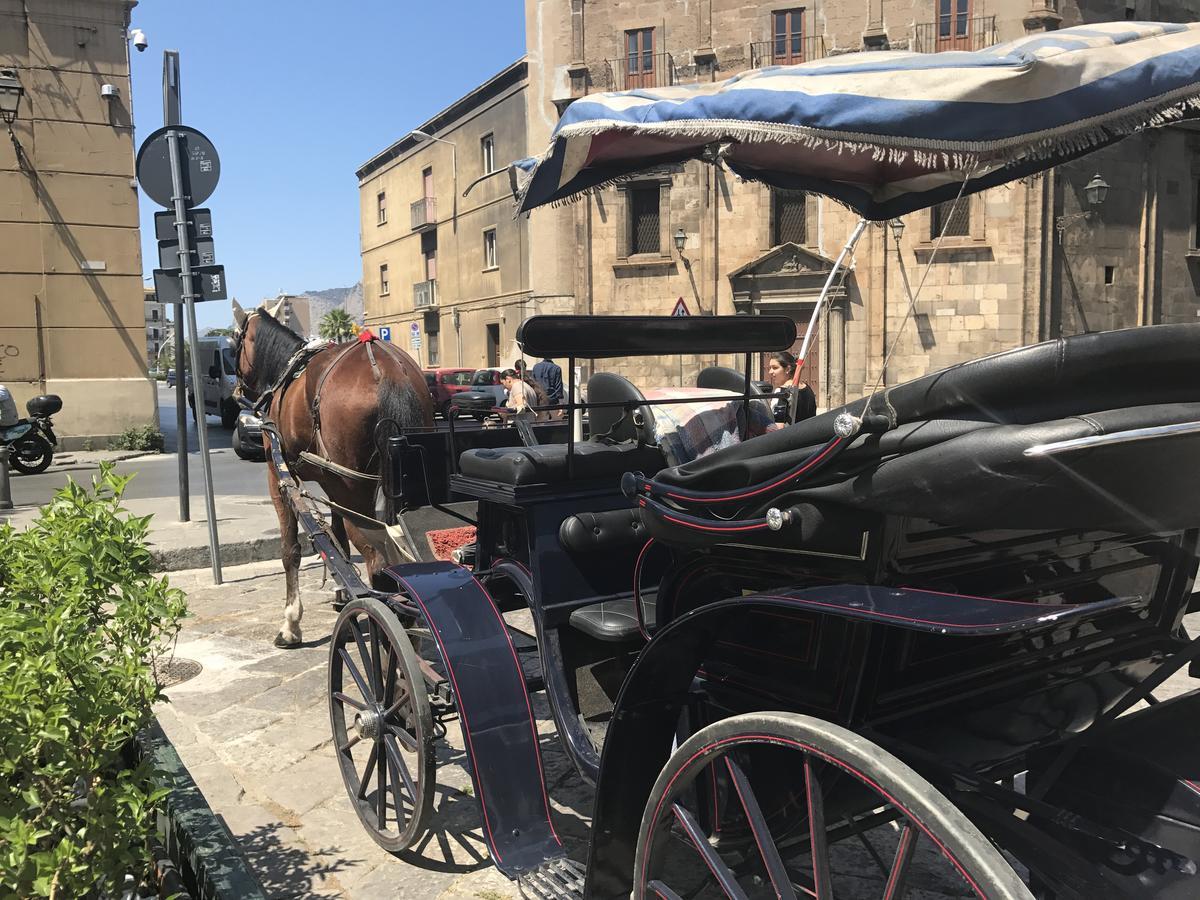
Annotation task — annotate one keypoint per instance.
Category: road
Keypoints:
(157, 475)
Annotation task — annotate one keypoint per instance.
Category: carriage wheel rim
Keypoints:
(712, 752)
(387, 719)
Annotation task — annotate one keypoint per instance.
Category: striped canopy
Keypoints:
(887, 132)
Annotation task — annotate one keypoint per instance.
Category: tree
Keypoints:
(219, 332)
(336, 325)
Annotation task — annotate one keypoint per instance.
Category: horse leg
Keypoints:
(338, 524)
(373, 559)
(293, 609)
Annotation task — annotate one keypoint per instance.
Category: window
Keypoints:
(487, 150)
(458, 379)
(381, 207)
(789, 217)
(154, 333)
(1110, 273)
(154, 315)
(383, 280)
(432, 339)
(954, 17)
(639, 58)
(229, 361)
(427, 183)
(429, 254)
(788, 37)
(489, 249)
(955, 220)
(644, 220)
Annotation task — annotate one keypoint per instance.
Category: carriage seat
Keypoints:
(547, 463)
(607, 535)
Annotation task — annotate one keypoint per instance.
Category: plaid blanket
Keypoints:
(687, 431)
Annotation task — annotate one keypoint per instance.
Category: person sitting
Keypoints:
(781, 373)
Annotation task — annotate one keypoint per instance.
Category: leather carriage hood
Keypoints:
(1055, 380)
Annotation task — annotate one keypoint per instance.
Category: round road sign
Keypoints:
(201, 166)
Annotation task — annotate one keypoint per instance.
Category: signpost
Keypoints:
(385, 333)
(414, 336)
(178, 168)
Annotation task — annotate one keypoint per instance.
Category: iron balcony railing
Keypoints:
(424, 213)
(425, 294)
(645, 70)
(787, 51)
(955, 34)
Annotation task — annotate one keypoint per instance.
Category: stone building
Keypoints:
(72, 318)
(156, 326)
(1004, 275)
(457, 268)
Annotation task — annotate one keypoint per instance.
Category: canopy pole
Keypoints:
(816, 313)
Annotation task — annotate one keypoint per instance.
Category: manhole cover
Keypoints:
(176, 670)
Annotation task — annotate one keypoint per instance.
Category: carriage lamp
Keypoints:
(897, 229)
(11, 93)
(680, 240)
(1095, 191)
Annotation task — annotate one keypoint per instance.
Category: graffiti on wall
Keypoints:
(18, 362)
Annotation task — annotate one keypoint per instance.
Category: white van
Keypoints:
(217, 365)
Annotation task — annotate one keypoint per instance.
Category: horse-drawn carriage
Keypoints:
(910, 645)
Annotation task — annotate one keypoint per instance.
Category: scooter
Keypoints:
(32, 441)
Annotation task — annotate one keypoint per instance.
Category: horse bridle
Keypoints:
(239, 342)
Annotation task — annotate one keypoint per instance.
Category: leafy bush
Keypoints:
(140, 437)
(81, 621)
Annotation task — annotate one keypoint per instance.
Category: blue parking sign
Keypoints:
(385, 332)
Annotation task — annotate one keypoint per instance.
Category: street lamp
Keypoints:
(680, 240)
(897, 229)
(426, 136)
(1095, 191)
(10, 95)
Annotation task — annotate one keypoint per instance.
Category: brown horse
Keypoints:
(330, 410)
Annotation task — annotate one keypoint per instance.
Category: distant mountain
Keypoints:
(321, 302)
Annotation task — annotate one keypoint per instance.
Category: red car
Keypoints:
(445, 382)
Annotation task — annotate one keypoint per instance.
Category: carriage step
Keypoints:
(555, 879)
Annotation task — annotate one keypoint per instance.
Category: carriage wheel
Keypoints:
(382, 727)
(828, 811)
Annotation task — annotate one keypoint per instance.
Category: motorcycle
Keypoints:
(32, 440)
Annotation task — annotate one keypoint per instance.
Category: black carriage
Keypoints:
(914, 626)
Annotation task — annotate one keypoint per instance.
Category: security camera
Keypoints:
(139, 39)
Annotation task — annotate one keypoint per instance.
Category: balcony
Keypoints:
(651, 70)
(787, 51)
(955, 34)
(425, 294)
(424, 214)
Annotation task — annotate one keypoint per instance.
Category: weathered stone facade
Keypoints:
(1004, 281)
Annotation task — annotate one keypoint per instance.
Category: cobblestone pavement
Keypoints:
(253, 729)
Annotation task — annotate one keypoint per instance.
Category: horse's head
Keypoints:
(252, 380)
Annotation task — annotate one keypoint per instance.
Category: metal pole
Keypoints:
(172, 112)
(181, 430)
(816, 314)
(189, 299)
(5, 485)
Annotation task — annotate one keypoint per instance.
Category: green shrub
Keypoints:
(81, 621)
(141, 437)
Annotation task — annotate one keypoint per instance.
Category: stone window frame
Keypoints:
(495, 262)
(766, 227)
(978, 227)
(381, 208)
(487, 153)
(624, 237)
(385, 285)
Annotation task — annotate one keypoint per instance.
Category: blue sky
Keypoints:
(295, 96)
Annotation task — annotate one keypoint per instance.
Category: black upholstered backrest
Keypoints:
(614, 423)
(723, 378)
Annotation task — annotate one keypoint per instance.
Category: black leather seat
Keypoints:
(547, 463)
(613, 424)
(607, 535)
(723, 378)
(613, 621)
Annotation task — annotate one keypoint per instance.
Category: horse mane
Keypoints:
(274, 345)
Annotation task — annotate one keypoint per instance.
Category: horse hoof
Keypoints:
(283, 644)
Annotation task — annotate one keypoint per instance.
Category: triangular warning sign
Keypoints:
(680, 308)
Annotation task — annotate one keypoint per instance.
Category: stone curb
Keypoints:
(233, 553)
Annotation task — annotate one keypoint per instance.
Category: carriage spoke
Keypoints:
(355, 674)
(376, 663)
(348, 700)
(389, 687)
(398, 764)
(380, 786)
(870, 848)
(366, 775)
(896, 883)
(762, 834)
(402, 735)
(354, 739)
(816, 831)
(368, 666)
(712, 859)
(396, 704)
(397, 797)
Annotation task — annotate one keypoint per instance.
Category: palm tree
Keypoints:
(336, 325)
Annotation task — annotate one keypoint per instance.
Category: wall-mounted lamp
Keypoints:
(109, 92)
(680, 240)
(1095, 191)
(11, 93)
(897, 226)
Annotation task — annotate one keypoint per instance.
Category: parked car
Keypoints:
(171, 378)
(247, 437)
(445, 383)
(484, 394)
